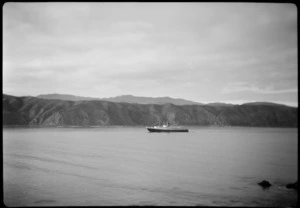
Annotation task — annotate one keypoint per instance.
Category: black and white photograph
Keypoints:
(150, 104)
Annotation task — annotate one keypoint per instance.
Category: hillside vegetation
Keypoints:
(47, 112)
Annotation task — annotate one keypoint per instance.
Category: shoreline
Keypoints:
(138, 126)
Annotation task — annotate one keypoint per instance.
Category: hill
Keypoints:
(65, 97)
(44, 112)
(150, 100)
(122, 99)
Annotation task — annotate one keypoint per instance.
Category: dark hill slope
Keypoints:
(35, 111)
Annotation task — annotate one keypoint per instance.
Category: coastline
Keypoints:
(142, 126)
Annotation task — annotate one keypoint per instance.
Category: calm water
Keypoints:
(129, 166)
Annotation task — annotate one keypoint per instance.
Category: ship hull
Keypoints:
(166, 130)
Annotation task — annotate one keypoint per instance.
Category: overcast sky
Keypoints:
(205, 52)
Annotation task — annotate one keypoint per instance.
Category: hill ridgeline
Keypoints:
(122, 99)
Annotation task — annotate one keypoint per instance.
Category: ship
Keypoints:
(166, 128)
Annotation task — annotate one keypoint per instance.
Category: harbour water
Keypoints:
(209, 166)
